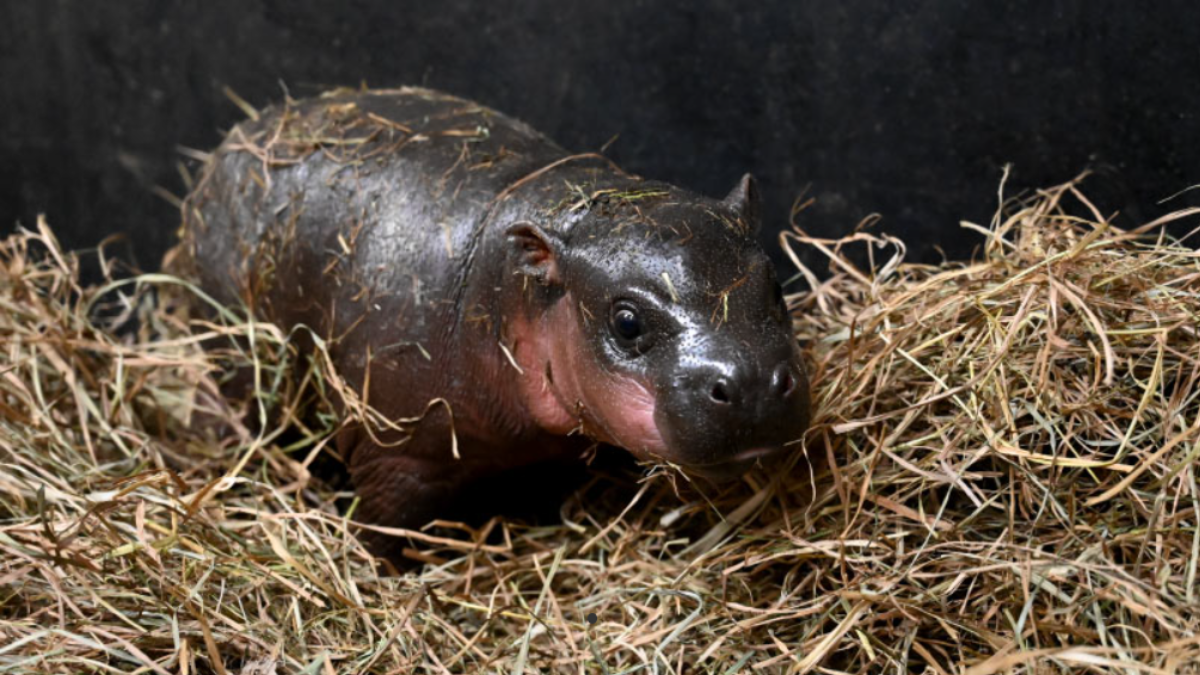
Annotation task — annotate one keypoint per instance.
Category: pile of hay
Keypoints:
(1002, 476)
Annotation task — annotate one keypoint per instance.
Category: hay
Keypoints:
(1004, 477)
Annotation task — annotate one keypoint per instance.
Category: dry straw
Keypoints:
(1001, 477)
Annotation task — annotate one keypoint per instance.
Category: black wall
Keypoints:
(908, 109)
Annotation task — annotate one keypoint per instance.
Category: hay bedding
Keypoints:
(1004, 474)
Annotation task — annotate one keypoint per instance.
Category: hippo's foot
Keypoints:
(396, 491)
(410, 485)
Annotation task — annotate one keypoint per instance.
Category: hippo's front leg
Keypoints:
(404, 486)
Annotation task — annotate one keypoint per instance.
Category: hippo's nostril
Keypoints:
(783, 383)
(720, 392)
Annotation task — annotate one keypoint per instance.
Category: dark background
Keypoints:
(906, 109)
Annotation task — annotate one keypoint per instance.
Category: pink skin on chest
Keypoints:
(565, 389)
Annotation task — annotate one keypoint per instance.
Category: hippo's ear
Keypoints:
(533, 252)
(743, 200)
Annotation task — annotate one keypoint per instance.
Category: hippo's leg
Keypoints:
(410, 485)
(404, 486)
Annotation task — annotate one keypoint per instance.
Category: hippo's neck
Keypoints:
(504, 322)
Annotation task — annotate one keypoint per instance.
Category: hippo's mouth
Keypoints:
(636, 432)
(754, 453)
(738, 464)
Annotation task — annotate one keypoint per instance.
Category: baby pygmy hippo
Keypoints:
(467, 271)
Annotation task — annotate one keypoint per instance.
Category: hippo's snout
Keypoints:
(719, 418)
(734, 393)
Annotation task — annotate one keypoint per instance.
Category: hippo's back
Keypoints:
(357, 211)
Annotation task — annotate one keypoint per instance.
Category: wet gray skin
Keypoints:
(550, 300)
(694, 311)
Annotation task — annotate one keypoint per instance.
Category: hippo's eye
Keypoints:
(626, 324)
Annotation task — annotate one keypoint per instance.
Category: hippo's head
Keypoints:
(662, 328)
